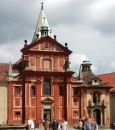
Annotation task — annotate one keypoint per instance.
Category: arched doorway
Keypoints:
(97, 116)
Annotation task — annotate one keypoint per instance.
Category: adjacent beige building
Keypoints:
(3, 93)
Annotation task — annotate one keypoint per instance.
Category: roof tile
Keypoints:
(108, 78)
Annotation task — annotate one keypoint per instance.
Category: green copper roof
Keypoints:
(44, 26)
(86, 62)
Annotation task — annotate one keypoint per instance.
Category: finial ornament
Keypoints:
(42, 5)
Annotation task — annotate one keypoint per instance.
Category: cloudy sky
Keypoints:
(88, 26)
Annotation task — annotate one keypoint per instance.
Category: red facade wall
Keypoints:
(10, 102)
(68, 106)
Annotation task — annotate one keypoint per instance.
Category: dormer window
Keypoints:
(95, 82)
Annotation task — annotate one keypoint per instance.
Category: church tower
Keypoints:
(85, 71)
(86, 66)
(42, 27)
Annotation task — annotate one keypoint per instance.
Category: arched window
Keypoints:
(32, 90)
(47, 87)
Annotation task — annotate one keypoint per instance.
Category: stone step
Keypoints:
(103, 127)
(70, 128)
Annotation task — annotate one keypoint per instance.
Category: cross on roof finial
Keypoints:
(42, 5)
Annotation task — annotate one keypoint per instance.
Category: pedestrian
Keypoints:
(80, 125)
(64, 125)
(40, 123)
(55, 124)
(30, 124)
(87, 124)
(84, 119)
(94, 124)
(47, 124)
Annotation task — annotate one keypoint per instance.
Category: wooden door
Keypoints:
(47, 114)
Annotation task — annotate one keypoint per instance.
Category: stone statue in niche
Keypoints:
(67, 63)
(89, 102)
(103, 102)
(26, 63)
(96, 98)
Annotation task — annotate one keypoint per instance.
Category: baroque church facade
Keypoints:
(41, 84)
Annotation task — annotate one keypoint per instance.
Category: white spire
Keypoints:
(42, 20)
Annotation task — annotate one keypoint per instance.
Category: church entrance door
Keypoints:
(97, 116)
(47, 114)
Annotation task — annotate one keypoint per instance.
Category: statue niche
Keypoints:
(25, 63)
(67, 65)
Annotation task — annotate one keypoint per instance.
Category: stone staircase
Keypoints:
(101, 127)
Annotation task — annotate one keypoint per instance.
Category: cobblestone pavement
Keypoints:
(70, 128)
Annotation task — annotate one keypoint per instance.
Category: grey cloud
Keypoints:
(72, 21)
(73, 12)
(16, 19)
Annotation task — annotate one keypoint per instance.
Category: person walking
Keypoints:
(40, 124)
(55, 124)
(47, 124)
(64, 125)
(80, 125)
(94, 124)
(87, 124)
(30, 124)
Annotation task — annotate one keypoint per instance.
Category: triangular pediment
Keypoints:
(46, 44)
(46, 100)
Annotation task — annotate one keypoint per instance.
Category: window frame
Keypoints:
(33, 90)
(47, 87)
(17, 90)
(74, 89)
(61, 90)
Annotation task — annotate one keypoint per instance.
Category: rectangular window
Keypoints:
(75, 101)
(17, 90)
(32, 90)
(61, 90)
(75, 91)
(17, 113)
(47, 91)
